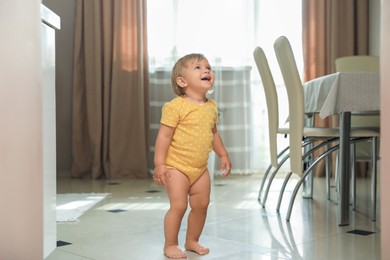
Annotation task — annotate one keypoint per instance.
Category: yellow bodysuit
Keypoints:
(192, 140)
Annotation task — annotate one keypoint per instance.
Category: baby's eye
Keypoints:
(197, 67)
(208, 67)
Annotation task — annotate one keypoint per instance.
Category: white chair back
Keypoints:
(271, 100)
(293, 82)
(357, 63)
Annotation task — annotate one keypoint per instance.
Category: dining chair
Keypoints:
(295, 93)
(362, 152)
(278, 159)
(271, 97)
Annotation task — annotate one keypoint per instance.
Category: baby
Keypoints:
(187, 135)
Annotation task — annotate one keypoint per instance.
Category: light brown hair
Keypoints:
(179, 65)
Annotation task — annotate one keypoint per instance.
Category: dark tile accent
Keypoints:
(62, 243)
(219, 184)
(360, 232)
(116, 210)
(152, 191)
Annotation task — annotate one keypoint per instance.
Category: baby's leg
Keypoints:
(199, 202)
(177, 186)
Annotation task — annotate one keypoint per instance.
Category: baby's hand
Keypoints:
(226, 165)
(160, 174)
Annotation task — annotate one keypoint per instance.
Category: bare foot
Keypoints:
(197, 248)
(174, 252)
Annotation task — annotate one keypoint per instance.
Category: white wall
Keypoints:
(21, 155)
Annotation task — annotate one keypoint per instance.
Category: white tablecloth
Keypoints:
(360, 91)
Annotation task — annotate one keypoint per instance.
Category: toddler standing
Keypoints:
(187, 135)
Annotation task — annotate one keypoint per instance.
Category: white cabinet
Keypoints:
(50, 23)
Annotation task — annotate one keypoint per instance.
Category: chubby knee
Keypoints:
(200, 204)
(179, 208)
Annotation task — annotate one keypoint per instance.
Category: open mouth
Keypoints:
(206, 78)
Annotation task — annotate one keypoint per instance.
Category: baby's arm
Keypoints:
(220, 150)
(163, 141)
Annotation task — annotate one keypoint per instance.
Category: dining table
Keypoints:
(343, 93)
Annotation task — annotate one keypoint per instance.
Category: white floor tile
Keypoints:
(237, 226)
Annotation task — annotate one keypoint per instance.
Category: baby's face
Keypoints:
(198, 75)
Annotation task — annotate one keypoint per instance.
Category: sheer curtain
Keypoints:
(226, 31)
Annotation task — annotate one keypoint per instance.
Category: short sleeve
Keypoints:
(170, 114)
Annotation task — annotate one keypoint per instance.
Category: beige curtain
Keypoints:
(331, 29)
(110, 90)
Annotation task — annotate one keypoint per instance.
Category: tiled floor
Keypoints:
(236, 228)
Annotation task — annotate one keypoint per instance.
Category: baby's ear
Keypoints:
(181, 82)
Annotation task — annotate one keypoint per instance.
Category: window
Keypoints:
(226, 32)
